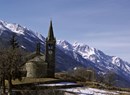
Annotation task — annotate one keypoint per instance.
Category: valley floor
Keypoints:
(51, 85)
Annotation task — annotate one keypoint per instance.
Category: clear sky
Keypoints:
(103, 24)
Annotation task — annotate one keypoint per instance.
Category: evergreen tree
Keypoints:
(13, 42)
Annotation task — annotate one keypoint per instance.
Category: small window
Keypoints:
(50, 46)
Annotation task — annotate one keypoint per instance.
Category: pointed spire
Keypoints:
(50, 32)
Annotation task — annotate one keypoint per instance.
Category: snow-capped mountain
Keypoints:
(68, 56)
(97, 56)
(26, 37)
(100, 60)
(94, 55)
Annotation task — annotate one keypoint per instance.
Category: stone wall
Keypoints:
(36, 69)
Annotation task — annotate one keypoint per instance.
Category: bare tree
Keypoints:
(2, 72)
(11, 60)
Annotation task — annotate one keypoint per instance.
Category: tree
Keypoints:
(2, 72)
(110, 78)
(11, 60)
(13, 42)
(82, 74)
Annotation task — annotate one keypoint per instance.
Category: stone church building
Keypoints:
(42, 65)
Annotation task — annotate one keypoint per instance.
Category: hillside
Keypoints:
(69, 56)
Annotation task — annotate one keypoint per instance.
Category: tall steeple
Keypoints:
(50, 32)
(50, 52)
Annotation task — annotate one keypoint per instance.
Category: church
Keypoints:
(42, 65)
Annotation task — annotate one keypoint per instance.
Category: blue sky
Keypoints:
(103, 24)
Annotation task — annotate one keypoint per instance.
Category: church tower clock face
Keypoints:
(50, 49)
(50, 52)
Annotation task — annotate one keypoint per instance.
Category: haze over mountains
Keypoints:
(68, 56)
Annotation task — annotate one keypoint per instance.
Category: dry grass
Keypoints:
(26, 80)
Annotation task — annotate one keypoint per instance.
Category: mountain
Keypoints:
(101, 62)
(68, 56)
(26, 38)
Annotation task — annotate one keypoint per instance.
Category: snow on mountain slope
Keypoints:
(68, 56)
(120, 63)
(94, 55)
(13, 27)
(98, 56)
(99, 60)
(2, 27)
(64, 44)
(26, 37)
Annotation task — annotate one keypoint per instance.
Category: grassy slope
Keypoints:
(26, 80)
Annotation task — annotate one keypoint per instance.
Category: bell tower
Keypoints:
(50, 52)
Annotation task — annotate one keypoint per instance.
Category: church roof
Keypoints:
(36, 57)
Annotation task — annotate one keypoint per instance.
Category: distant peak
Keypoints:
(62, 42)
(65, 44)
(1, 20)
(79, 44)
(76, 43)
(14, 27)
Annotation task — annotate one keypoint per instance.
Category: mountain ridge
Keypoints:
(68, 56)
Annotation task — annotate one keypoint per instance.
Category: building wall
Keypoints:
(36, 69)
